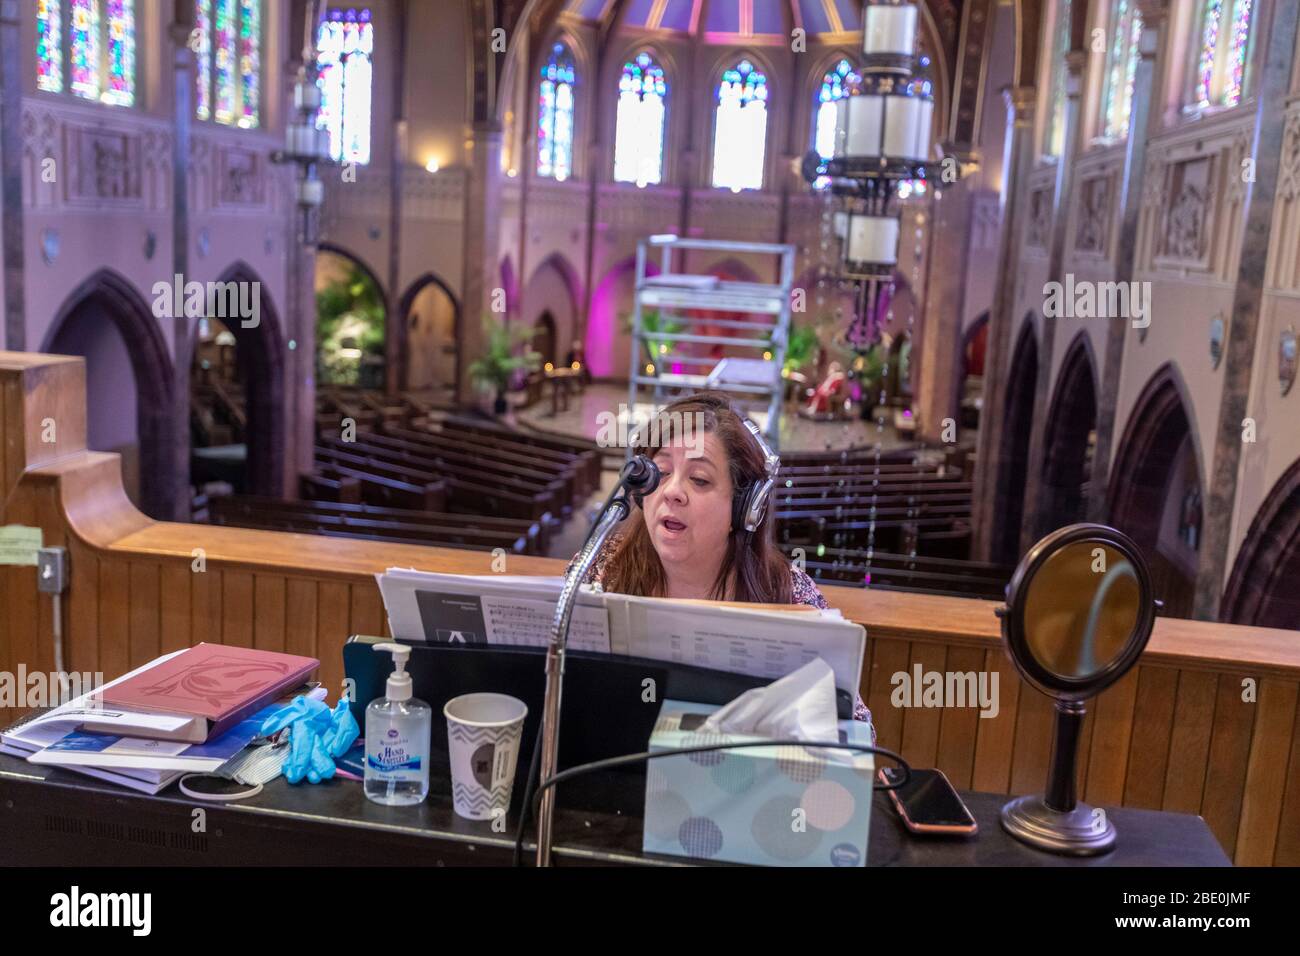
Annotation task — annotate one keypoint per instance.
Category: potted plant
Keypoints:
(800, 349)
(652, 321)
(501, 360)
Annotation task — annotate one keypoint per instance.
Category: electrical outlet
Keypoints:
(52, 570)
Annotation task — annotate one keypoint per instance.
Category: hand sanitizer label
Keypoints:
(390, 754)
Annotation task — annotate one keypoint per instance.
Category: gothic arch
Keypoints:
(1013, 450)
(1262, 587)
(261, 362)
(406, 305)
(114, 296)
(1139, 481)
(1071, 420)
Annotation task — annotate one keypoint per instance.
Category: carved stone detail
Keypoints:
(1092, 229)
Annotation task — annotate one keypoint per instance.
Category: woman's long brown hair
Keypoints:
(760, 572)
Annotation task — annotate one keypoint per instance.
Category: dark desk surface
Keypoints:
(53, 816)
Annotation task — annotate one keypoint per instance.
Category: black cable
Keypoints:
(628, 759)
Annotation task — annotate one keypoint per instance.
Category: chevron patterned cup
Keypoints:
(484, 732)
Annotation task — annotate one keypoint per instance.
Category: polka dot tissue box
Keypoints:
(771, 806)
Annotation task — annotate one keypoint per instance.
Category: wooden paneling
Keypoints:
(268, 612)
(1225, 774)
(1266, 773)
(996, 736)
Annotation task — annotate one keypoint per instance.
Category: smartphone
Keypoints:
(927, 803)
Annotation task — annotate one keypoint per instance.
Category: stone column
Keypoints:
(1154, 16)
(12, 13)
(1277, 29)
(1035, 522)
(395, 333)
(938, 387)
(1018, 158)
(175, 487)
(482, 228)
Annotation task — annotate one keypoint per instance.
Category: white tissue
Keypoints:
(799, 706)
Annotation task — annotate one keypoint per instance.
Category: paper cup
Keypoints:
(483, 733)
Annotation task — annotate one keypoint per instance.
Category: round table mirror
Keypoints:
(1079, 612)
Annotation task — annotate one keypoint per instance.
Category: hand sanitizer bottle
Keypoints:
(398, 729)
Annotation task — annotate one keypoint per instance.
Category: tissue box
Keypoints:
(775, 806)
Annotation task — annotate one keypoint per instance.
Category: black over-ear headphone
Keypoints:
(750, 504)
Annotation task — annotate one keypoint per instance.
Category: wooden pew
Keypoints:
(587, 452)
(915, 572)
(382, 485)
(466, 469)
(376, 524)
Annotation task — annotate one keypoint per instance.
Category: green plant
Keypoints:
(870, 366)
(801, 348)
(652, 321)
(501, 357)
(349, 327)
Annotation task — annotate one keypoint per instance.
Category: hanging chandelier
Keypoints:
(882, 139)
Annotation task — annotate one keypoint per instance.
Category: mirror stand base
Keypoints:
(1083, 831)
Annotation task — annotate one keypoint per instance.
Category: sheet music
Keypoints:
(495, 609)
(758, 643)
(470, 609)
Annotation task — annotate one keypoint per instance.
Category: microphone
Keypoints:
(640, 476)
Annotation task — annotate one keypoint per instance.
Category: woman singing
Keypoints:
(688, 539)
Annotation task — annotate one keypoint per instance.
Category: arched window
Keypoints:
(88, 47)
(835, 85)
(1060, 47)
(1121, 67)
(345, 44)
(1221, 54)
(639, 133)
(227, 44)
(555, 115)
(740, 129)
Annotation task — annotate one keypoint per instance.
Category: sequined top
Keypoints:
(803, 591)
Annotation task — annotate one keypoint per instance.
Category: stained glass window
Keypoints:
(49, 46)
(555, 115)
(740, 129)
(119, 88)
(84, 66)
(1220, 67)
(201, 42)
(223, 73)
(1236, 66)
(345, 46)
(1056, 132)
(250, 63)
(227, 44)
(835, 85)
(1121, 67)
(639, 133)
(88, 47)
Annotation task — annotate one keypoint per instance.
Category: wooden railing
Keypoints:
(1207, 723)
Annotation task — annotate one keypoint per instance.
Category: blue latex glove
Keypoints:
(317, 735)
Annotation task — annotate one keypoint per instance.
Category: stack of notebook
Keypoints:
(192, 710)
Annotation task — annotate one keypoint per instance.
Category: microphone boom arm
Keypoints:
(639, 474)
